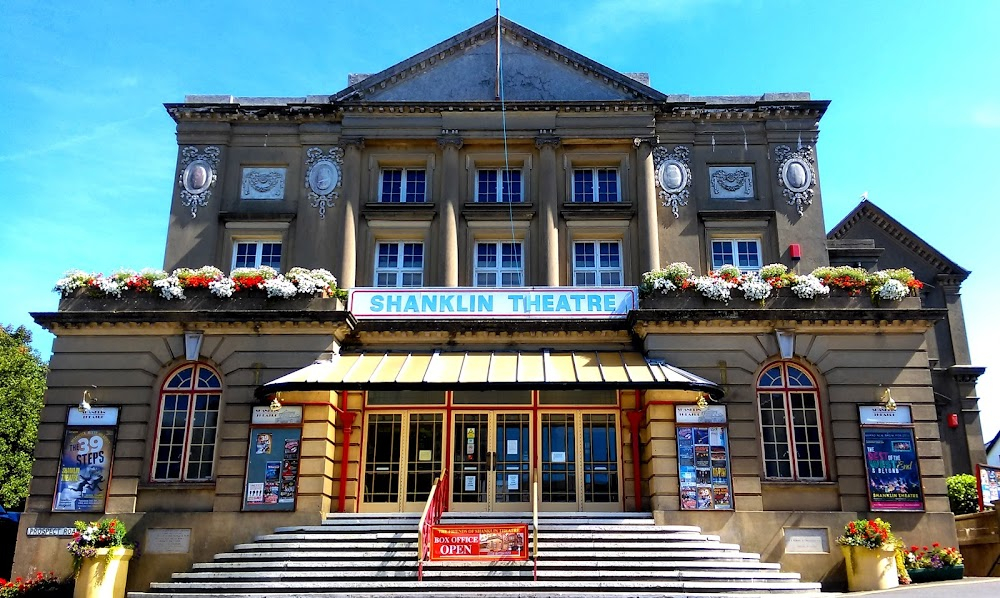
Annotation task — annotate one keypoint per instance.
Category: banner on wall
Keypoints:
(988, 486)
(703, 459)
(84, 470)
(892, 468)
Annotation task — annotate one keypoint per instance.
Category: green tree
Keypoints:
(22, 386)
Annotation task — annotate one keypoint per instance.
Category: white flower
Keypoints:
(663, 285)
(169, 287)
(71, 281)
(222, 288)
(893, 290)
(714, 288)
(110, 286)
(809, 287)
(755, 289)
(729, 270)
(279, 287)
(773, 271)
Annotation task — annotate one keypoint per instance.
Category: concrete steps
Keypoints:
(580, 555)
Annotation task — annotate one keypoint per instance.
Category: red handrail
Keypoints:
(437, 504)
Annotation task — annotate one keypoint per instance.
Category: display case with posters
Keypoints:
(891, 463)
(273, 459)
(85, 460)
(703, 458)
(988, 486)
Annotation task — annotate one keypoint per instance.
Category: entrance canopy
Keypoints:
(495, 370)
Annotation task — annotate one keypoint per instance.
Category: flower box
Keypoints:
(196, 300)
(939, 574)
(779, 299)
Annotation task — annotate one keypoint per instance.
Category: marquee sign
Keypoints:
(505, 303)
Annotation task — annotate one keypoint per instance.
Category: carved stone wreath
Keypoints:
(197, 176)
(673, 176)
(324, 172)
(797, 175)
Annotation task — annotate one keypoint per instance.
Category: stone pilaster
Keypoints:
(548, 209)
(649, 245)
(451, 178)
(347, 276)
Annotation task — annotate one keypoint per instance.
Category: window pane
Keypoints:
(609, 255)
(512, 186)
(607, 185)
(722, 254)
(245, 255)
(486, 255)
(798, 378)
(387, 257)
(585, 255)
(391, 185)
(486, 188)
(583, 185)
(415, 185)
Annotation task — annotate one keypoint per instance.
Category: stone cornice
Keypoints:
(966, 374)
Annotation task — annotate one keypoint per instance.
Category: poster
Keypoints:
(703, 467)
(84, 470)
(479, 542)
(893, 471)
(272, 469)
(989, 486)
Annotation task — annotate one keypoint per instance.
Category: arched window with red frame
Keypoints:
(187, 425)
(790, 423)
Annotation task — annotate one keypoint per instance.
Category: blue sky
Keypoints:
(87, 153)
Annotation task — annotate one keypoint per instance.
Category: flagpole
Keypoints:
(498, 52)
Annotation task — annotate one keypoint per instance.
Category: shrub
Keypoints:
(962, 494)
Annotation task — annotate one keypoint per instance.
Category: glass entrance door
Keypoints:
(403, 455)
(579, 462)
(491, 461)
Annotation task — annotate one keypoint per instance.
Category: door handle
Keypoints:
(491, 460)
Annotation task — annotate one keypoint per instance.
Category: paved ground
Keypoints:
(970, 587)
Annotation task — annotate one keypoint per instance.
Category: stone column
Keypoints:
(451, 184)
(548, 209)
(347, 276)
(649, 242)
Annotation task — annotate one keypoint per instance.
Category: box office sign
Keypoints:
(892, 468)
(480, 303)
(479, 543)
(272, 469)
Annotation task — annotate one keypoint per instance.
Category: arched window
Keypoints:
(188, 420)
(790, 424)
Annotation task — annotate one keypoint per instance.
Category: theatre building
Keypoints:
(492, 236)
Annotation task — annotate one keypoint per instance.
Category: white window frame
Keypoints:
(790, 446)
(499, 185)
(598, 269)
(594, 184)
(734, 249)
(193, 390)
(399, 271)
(499, 270)
(405, 182)
(258, 252)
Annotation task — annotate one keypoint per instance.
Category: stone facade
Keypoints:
(565, 120)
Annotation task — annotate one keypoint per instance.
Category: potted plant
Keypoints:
(870, 554)
(101, 554)
(934, 563)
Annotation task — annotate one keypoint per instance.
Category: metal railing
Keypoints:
(534, 524)
(435, 507)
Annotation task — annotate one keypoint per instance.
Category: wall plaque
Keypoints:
(263, 183)
(167, 541)
(800, 540)
(731, 182)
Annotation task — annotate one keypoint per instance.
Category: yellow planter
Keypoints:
(870, 568)
(103, 577)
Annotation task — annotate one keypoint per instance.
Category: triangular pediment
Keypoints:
(891, 229)
(464, 69)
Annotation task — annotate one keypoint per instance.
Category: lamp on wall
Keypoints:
(275, 403)
(87, 399)
(786, 343)
(192, 345)
(886, 399)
